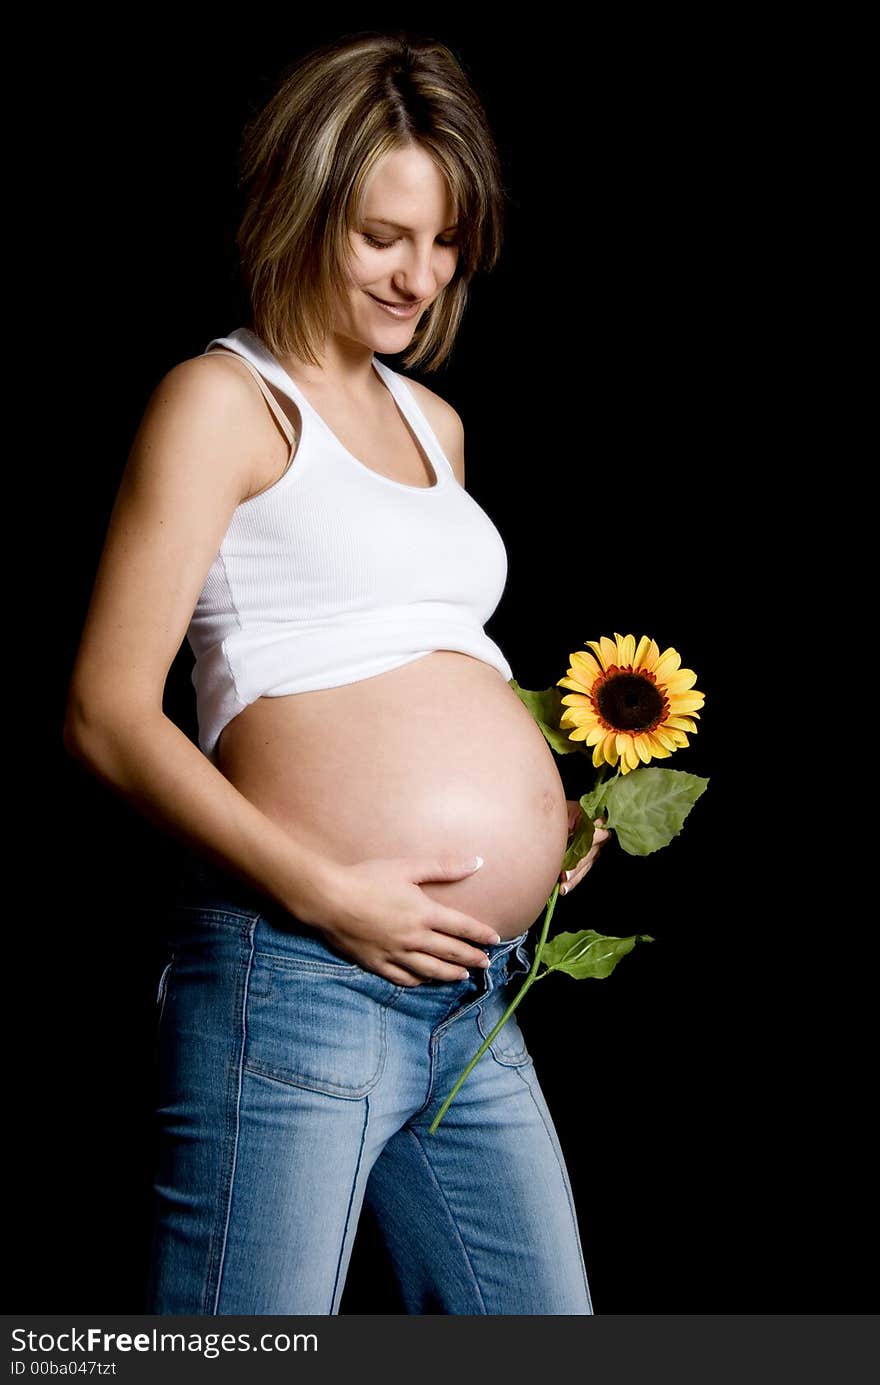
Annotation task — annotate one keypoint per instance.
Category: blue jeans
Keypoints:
(293, 1084)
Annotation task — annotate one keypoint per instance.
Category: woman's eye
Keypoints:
(385, 244)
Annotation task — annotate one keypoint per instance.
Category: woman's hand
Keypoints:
(379, 916)
(568, 879)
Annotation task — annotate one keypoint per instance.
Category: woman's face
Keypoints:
(403, 251)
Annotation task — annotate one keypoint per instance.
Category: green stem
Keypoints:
(530, 979)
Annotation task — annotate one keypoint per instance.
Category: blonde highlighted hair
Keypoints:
(305, 159)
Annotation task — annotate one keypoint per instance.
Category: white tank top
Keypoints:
(336, 573)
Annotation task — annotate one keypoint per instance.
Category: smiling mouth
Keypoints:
(396, 303)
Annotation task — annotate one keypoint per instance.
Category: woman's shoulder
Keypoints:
(214, 395)
(212, 375)
(219, 372)
(214, 384)
(222, 378)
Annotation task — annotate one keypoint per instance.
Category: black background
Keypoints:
(626, 378)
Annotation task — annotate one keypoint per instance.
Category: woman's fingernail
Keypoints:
(567, 874)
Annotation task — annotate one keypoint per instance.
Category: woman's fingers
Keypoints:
(571, 878)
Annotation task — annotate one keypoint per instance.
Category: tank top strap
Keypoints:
(221, 344)
(251, 348)
(413, 414)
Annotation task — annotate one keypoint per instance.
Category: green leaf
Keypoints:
(580, 842)
(647, 807)
(588, 953)
(593, 802)
(591, 805)
(546, 707)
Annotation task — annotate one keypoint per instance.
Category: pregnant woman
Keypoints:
(336, 952)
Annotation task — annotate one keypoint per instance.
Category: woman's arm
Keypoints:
(192, 462)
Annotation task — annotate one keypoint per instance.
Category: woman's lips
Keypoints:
(401, 310)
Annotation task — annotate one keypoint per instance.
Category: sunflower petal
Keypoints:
(584, 666)
(571, 683)
(626, 648)
(588, 720)
(658, 749)
(677, 710)
(641, 654)
(666, 738)
(610, 748)
(683, 723)
(609, 651)
(686, 702)
(680, 681)
(578, 717)
(668, 662)
(595, 735)
(652, 657)
(643, 746)
(573, 719)
(594, 644)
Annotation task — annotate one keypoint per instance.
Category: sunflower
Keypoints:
(630, 704)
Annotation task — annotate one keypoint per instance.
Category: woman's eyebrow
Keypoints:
(381, 221)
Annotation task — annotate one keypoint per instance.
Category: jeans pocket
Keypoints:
(297, 946)
(162, 990)
(300, 947)
(509, 1045)
(316, 1024)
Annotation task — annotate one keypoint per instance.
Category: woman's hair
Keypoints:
(307, 155)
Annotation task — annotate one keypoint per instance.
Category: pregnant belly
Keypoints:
(436, 758)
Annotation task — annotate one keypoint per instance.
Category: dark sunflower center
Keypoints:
(629, 702)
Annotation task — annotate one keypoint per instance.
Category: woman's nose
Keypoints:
(417, 276)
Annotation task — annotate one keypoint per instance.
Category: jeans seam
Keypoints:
(564, 1176)
(239, 1076)
(452, 1217)
(162, 990)
(354, 1181)
(215, 912)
